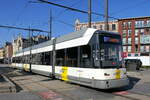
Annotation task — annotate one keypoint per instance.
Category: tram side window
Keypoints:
(46, 58)
(72, 57)
(27, 59)
(85, 56)
(60, 56)
(22, 59)
(18, 60)
(39, 59)
(33, 58)
(13, 60)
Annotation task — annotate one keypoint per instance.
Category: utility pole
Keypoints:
(30, 46)
(89, 13)
(53, 58)
(106, 15)
(50, 25)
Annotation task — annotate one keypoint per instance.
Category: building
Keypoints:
(19, 43)
(2, 55)
(8, 52)
(112, 25)
(136, 35)
(39, 39)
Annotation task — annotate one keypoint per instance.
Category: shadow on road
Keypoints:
(11, 72)
(132, 82)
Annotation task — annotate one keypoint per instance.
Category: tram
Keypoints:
(88, 57)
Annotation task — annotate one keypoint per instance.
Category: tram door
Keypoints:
(85, 63)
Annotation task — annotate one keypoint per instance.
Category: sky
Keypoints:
(23, 13)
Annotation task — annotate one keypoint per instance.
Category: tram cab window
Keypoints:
(96, 56)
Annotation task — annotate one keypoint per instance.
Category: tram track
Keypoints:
(71, 97)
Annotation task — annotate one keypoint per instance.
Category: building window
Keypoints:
(129, 32)
(94, 26)
(129, 40)
(142, 31)
(101, 27)
(136, 32)
(124, 40)
(129, 54)
(139, 24)
(124, 33)
(129, 48)
(124, 48)
(142, 48)
(147, 48)
(124, 25)
(148, 22)
(129, 24)
(113, 26)
(136, 55)
(108, 27)
(136, 40)
(147, 29)
(136, 48)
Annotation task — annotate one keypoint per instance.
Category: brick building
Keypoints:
(2, 55)
(112, 25)
(8, 52)
(136, 35)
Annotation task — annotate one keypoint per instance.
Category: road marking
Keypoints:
(50, 95)
(121, 93)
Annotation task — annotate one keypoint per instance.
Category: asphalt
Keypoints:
(37, 87)
(20, 96)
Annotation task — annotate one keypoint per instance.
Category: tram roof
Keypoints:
(60, 39)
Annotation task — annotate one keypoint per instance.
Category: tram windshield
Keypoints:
(110, 51)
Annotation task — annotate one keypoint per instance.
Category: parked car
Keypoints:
(136, 63)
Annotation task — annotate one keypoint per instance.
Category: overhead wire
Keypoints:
(62, 12)
(18, 16)
(73, 9)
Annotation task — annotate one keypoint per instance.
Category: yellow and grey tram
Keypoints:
(89, 57)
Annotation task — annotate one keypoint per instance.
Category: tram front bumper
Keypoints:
(109, 84)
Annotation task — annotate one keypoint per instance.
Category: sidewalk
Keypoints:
(6, 86)
(140, 80)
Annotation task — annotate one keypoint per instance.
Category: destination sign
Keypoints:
(112, 40)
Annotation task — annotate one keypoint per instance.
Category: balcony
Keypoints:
(139, 26)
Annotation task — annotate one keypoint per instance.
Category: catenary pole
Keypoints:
(89, 13)
(106, 15)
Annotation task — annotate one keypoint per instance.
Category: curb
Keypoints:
(7, 86)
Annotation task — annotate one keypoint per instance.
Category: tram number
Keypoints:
(118, 76)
